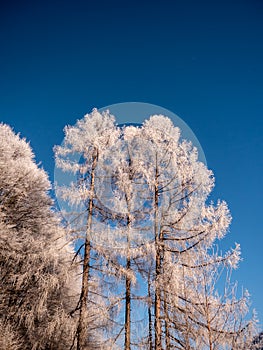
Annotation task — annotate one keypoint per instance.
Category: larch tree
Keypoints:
(148, 228)
(39, 284)
(105, 202)
(91, 138)
(127, 215)
(188, 312)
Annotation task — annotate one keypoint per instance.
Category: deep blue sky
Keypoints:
(200, 59)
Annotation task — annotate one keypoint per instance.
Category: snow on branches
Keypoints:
(146, 227)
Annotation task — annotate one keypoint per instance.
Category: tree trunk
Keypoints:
(166, 322)
(127, 342)
(157, 302)
(82, 324)
(157, 306)
(150, 338)
(127, 345)
(82, 331)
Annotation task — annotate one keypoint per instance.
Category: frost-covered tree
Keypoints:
(149, 229)
(188, 312)
(92, 137)
(39, 285)
(129, 196)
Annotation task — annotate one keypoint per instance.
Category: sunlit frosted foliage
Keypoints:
(150, 237)
(39, 285)
(92, 137)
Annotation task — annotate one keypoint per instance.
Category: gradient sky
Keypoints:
(203, 60)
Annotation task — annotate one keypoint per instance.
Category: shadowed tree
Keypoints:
(39, 285)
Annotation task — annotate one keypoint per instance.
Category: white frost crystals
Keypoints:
(146, 272)
(127, 159)
(139, 195)
(38, 280)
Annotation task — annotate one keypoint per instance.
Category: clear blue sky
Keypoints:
(200, 59)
